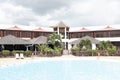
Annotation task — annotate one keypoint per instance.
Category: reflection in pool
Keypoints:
(62, 70)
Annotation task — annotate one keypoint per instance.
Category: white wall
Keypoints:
(115, 39)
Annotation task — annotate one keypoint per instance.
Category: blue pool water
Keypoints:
(62, 70)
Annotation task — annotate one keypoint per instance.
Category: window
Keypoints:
(25, 34)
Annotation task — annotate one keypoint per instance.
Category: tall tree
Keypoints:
(104, 45)
(55, 40)
(85, 44)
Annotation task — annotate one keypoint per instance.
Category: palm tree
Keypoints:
(85, 44)
(41, 48)
(55, 40)
(107, 46)
(104, 45)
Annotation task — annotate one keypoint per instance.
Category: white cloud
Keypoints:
(74, 13)
(90, 13)
(10, 13)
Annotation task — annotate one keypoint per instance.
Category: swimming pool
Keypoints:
(62, 70)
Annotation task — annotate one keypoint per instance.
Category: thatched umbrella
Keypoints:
(39, 40)
(93, 40)
(12, 40)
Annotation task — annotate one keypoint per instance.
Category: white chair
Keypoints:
(17, 56)
(21, 56)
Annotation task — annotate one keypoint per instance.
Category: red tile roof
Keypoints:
(108, 28)
(83, 29)
(15, 28)
(39, 29)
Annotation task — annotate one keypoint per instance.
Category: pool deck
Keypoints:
(12, 61)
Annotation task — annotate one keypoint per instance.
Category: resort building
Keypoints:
(68, 34)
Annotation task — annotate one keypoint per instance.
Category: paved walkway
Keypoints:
(12, 61)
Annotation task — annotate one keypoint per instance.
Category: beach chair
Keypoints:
(21, 56)
(17, 56)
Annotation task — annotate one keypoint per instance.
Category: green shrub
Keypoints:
(92, 52)
(42, 49)
(57, 51)
(1, 54)
(50, 51)
(112, 50)
(5, 53)
(17, 51)
(75, 49)
(27, 53)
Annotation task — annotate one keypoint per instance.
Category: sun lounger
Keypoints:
(17, 56)
(21, 56)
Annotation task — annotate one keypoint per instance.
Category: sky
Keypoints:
(46, 13)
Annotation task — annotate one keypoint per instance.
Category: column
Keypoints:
(58, 30)
(93, 46)
(65, 37)
(65, 33)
